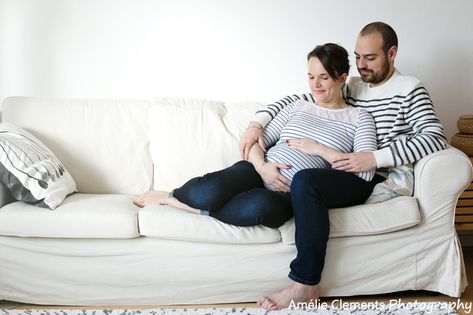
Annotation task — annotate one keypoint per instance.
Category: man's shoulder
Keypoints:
(407, 81)
(398, 84)
(398, 78)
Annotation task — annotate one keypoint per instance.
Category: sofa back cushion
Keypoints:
(102, 143)
(191, 137)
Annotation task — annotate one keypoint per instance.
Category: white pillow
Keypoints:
(30, 170)
(191, 137)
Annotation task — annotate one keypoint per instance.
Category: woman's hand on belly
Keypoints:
(272, 177)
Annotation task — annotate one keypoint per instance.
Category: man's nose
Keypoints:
(361, 63)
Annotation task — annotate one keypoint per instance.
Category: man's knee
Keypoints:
(307, 179)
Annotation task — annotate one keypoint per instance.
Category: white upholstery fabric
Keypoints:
(140, 271)
(440, 178)
(79, 216)
(102, 143)
(190, 137)
(152, 270)
(392, 215)
(146, 270)
(171, 223)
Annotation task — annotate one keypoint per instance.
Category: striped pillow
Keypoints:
(30, 170)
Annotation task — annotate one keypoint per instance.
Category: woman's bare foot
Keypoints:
(296, 292)
(152, 198)
(161, 198)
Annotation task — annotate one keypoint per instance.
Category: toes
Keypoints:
(139, 202)
(260, 301)
(266, 304)
(271, 306)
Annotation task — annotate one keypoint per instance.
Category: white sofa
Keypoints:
(97, 248)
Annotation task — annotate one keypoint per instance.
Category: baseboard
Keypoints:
(466, 238)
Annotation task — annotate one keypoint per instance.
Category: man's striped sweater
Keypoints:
(407, 127)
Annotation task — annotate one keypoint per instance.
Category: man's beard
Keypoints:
(376, 77)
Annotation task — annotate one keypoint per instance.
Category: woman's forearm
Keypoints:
(328, 153)
(312, 147)
(256, 157)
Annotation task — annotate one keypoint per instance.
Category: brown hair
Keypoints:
(386, 31)
(333, 57)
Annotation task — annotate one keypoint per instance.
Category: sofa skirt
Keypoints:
(150, 271)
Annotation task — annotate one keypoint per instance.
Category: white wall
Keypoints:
(221, 49)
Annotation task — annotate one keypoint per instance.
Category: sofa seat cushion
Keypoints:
(171, 223)
(79, 216)
(367, 219)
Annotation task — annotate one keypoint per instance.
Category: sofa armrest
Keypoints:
(5, 196)
(440, 178)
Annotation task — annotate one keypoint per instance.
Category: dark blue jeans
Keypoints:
(313, 192)
(236, 195)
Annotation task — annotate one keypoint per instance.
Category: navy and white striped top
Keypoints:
(348, 129)
(406, 124)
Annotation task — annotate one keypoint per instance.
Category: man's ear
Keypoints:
(392, 52)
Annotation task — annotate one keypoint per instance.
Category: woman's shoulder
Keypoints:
(302, 105)
(359, 113)
(364, 116)
(357, 110)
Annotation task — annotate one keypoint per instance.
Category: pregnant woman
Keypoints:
(305, 134)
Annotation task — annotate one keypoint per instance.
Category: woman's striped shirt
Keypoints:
(347, 130)
(407, 128)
